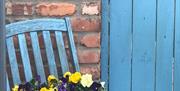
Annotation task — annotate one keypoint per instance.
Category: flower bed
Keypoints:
(69, 82)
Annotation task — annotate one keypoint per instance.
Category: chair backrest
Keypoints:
(45, 27)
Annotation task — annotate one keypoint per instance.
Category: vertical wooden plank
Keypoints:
(105, 42)
(72, 44)
(13, 60)
(2, 46)
(120, 45)
(50, 53)
(25, 57)
(177, 48)
(165, 38)
(61, 51)
(7, 83)
(144, 31)
(37, 56)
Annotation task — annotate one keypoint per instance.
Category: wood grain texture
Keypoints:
(45, 26)
(25, 57)
(13, 60)
(154, 46)
(105, 42)
(35, 25)
(165, 39)
(61, 52)
(50, 53)
(144, 34)
(37, 56)
(120, 45)
(72, 45)
(177, 48)
(7, 83)
(2, 46)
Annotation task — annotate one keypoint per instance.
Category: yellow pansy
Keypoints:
(75, 78)
(53, 89)
(51, 77)
(50, 89)
(51, 85)
(44, 89)
(86, 80)
(67, 74)
(15, 88)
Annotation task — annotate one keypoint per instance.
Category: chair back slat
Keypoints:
(72, 45)
(35, 25)
(46, 27)
(50, 53)
(25, 57)
(7, 83)
(61, 51)
(13, 60)
(37, 56)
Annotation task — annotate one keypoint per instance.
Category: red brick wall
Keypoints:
(85, 19)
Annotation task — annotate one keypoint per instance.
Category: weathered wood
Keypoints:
(155, 44)
(37, 56)
(58, 26)
(72, 45)
(35, 25)
(61, 51)
(13, 60)
(105, 42)
(121, 40)
(177, 48)
(7, 83)
(144, 34)
(165, 38)
(50, 53)
(25, 57)
(2, 46)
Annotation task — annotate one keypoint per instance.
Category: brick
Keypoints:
(91, 69)
(86, 24)
(90, 9)
(89, 56)
(55, 9)
(15, 39)
(18, 56)
(18, 9)
(8, 8)
(28, 9)
(91, 40)
(22, 9)
(28, 40)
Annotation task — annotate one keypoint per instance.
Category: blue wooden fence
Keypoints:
(141, 45)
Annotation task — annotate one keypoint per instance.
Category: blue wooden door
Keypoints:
(141, 45)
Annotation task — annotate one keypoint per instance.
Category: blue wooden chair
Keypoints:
(45, 26)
